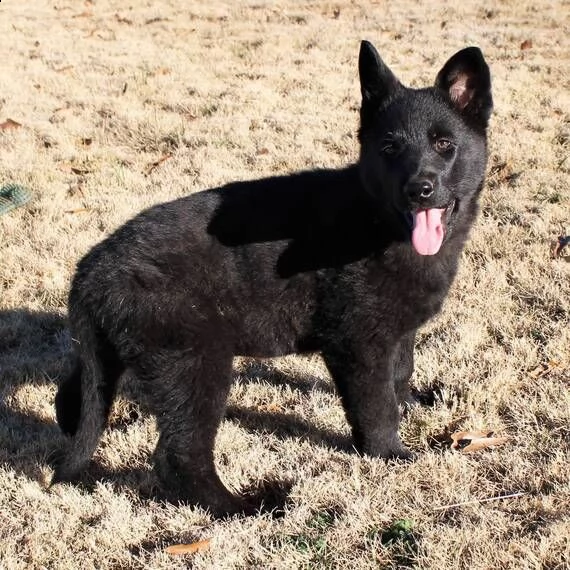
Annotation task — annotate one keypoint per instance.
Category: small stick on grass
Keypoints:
(151, 168)
(478, 501)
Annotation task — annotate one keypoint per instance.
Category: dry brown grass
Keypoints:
(233, 90)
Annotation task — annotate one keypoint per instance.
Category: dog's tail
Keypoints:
(68, 401)
(84, 400)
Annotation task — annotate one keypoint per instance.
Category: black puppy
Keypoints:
(346, 262)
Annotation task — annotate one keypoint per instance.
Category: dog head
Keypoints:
(423, 151)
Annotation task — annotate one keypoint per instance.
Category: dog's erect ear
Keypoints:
(376, 80)
(467, 81)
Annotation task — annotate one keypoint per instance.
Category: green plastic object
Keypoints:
(13, 196)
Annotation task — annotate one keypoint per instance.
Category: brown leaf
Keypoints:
(152, 167)
(9, 124)
(544, 368)
(471, 441)
(484, 442)
(271, 408)
(79, 170)
(527, 44)
(263, 150)
(461, 438)
(199, 546)
(123, 20)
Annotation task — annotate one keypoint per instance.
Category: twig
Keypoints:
(478, 501)
(152, 167)
(76, 211)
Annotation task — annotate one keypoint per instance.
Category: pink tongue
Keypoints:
(428, 232)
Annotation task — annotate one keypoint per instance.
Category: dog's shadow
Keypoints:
(35, 350)
(264, 420)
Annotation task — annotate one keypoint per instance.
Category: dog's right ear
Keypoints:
(377, 82)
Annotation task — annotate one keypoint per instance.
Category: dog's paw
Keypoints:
(402, 453)
(394, 449)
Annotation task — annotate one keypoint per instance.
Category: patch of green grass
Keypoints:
(400, 539)
(313, 542)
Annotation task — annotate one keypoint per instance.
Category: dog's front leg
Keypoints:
(365, 380)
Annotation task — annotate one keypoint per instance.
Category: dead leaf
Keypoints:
(123, 20)
(152, 167)
(79, 170)
(9, 124)
(441, 440)
(271, 408)
(544, 368)
(263, 150)
(527, 44)
(471, 441)
(199, 546)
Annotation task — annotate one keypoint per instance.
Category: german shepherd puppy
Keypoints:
(346, 262)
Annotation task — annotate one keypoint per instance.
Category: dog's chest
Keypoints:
(406, 291)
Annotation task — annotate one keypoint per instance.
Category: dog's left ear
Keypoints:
(467, 81)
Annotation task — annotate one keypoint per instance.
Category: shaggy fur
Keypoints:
(346, 262)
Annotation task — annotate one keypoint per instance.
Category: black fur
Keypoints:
(316, 261)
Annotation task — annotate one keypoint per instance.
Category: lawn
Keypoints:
(116, 106)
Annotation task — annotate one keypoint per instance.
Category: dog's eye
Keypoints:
(389, 148)
(443, 145)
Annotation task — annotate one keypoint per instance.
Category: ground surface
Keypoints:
(125, 105)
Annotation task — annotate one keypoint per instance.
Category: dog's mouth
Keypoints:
(429, 226)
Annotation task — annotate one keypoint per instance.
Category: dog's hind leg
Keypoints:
(187, 392)
(84, 400)
(404, 368)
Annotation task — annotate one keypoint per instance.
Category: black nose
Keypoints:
(419, 188)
